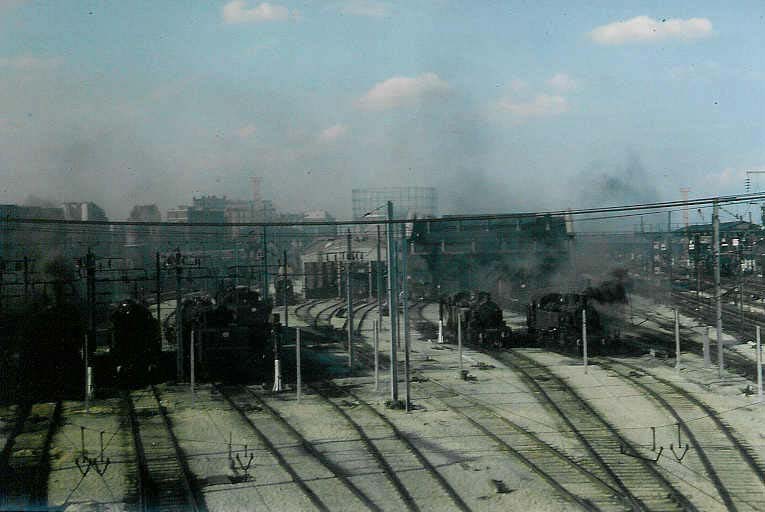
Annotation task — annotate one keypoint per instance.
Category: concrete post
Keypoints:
(377, 354)
(191, 364)
(707, 355)
(584, 338)
(297, 363)
(459, 337)
(677, 343)
(349, 298)
(718, 295)
(759, 365)
(392, 308)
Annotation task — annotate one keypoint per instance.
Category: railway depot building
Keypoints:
(324, 262)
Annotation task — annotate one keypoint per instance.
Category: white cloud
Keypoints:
(333, 133)
(561, 82)
(237, 11)
(541, 105)
(645, 29)
(401, 90)
(247, 131)
(369, 8)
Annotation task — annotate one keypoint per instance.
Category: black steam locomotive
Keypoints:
(556, 319)
(479, 317)
(283, 287)
(136, 344)
(232, 335)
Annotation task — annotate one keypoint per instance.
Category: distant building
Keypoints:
(19, 240)
(142, 241)
(83, 211)
(80, 238)
(323, 262)
(319, 216)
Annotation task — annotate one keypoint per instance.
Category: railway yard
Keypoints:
(524, 428)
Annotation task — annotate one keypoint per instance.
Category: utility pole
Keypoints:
(392, 307)
(677, 343)
(349, 297)
(718, 297)
(584, 338)
(158, 277)
(265, 265)
(90, 266)
(405, 299)
(90, 287)
(379, 276)
(178, 317)
(284, 295)
(369, 281)
(669, 252)
(26, 279)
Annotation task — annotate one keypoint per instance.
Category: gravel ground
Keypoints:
(66, 484)
(633, 414)
(204, 430)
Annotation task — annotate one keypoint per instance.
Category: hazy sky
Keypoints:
(501, 105)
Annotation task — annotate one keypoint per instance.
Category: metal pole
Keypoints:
(759, 364)
(369, 281)
(669, 251)
(265, 265)
(191, 364)
(459, 336)
(741, 307)
(584, 338)
(677, 342)
(236, 264)
(718, 296)
(377, 354)
(405, 299)
(707, 356)
(297, 363)
(392, 308)
(178, 317)
(284, 295)
(379, 277)
(158, 284)
(87, 376)
(26, 279)
(349, 298)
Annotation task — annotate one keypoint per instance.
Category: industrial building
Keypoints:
(323, 266)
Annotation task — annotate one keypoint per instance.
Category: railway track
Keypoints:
(637, 479)
(395, 440)
(24, 467)
(723, 455)
(165, 481)
(579, 482)
(289, 468)
(576, 481)
(735, 361)
(314, 465)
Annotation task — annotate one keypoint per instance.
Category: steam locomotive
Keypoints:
(231, 334)
(136, 345)
(479, 317)
(556, 319)
(283, 287)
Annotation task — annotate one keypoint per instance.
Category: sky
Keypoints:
(503, 106)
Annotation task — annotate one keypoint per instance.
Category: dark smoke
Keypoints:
(40, 202)
(602, 185)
